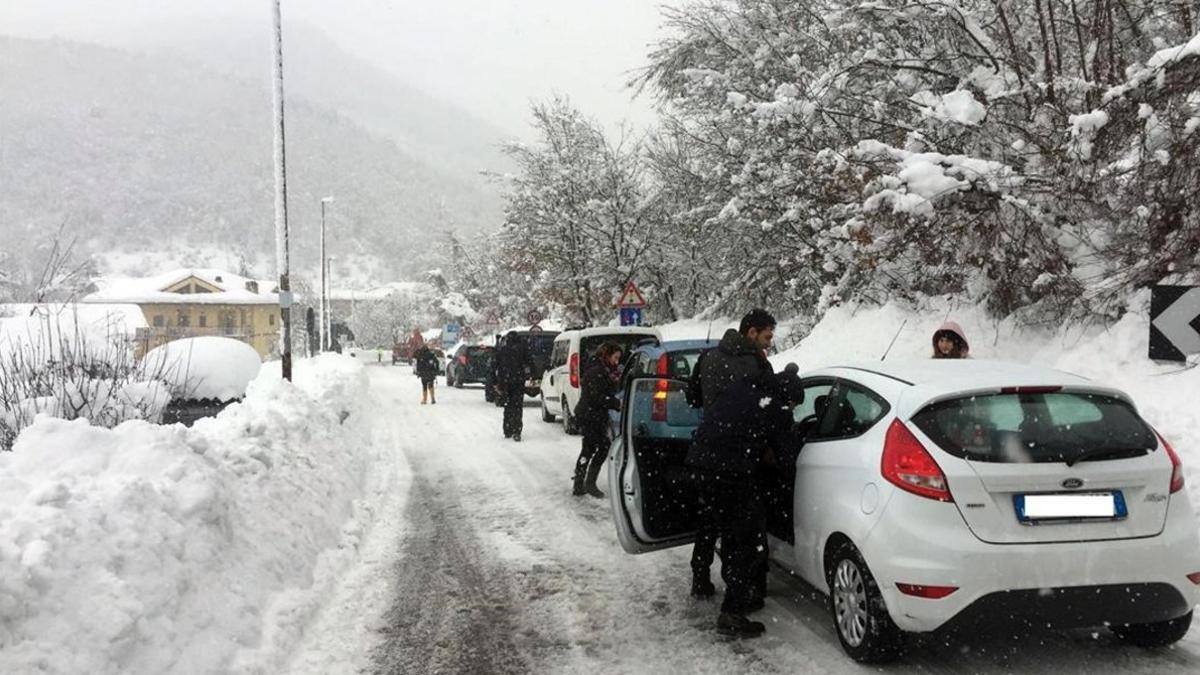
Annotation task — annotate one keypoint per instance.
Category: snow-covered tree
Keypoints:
(577, 223)
(876, 149)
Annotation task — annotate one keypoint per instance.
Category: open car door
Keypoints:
(653, 499)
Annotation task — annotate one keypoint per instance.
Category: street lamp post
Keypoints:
(324, 292)
(329, 304)
(282, 260)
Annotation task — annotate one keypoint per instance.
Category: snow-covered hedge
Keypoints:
(151, 549)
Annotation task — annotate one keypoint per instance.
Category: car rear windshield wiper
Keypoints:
(1105, 453)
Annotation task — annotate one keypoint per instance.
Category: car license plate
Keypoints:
(1050, 507)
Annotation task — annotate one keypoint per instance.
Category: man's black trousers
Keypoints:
(737, 509)
(514, 405)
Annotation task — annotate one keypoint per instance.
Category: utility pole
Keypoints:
(282, 260)
(324, 281)
(329, 304)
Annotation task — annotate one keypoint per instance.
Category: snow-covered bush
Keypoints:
(65, 370)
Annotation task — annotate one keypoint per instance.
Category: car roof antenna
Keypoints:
(893, 343)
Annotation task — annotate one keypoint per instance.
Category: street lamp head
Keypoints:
(326, 200)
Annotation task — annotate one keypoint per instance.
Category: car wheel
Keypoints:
(458, 383)
(569, 424)
(1154, 635)
(546, 416)
(860, 617)
(449, 380)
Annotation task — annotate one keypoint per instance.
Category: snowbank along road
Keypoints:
(497, 569)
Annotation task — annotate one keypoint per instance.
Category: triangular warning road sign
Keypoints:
(631, 297)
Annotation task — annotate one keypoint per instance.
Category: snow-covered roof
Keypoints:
(224, 288)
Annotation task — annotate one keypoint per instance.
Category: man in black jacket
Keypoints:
(597, 395)
(737, 433)
(510, 370)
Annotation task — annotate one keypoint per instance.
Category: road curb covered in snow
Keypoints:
(152, 549)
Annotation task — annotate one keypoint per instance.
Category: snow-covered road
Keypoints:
(483, 563)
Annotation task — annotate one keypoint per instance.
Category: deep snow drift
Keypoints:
(152, 549)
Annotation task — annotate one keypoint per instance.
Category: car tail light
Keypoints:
(575, 370)
(927, 592)
(462, 358)
(1176, 465)
(658, 404)
(1194, 577)
(910, 467)
(1030, 390)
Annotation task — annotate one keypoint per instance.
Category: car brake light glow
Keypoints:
(927, 592)
(575, 370)
(1176, 465)
(462, 358)
(910, 467)
(1030, 390)
(1194, 577)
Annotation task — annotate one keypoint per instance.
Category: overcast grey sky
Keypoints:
(490, 56)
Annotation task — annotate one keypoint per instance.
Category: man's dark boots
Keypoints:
(738, 626)
(593, 472)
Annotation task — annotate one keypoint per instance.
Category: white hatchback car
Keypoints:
(938, 493)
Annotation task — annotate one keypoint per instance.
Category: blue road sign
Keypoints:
(631, 316)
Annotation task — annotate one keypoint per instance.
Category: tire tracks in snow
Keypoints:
(451, 613)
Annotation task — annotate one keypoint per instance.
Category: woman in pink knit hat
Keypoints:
(949, 342)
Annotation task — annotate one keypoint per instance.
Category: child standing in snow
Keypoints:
(949, 342)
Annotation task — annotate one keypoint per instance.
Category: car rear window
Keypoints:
(540, 345)
(478, 352)
(589, 345)
(1022, 428)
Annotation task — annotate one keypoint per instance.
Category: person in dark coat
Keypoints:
(727, 453)
(427, 367)
(510, 370)
(597, 395)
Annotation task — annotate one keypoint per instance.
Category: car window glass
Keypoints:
(1068, 409)
(816, 397)
(626, 341)
(1028, 427)
(850, 411)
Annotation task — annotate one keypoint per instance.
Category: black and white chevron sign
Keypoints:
(1174, 322)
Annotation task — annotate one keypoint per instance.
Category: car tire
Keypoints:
(860, 617)
(569, 424)
(546, 416)
(449, 380)
(1154, 635)
(458, 383)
